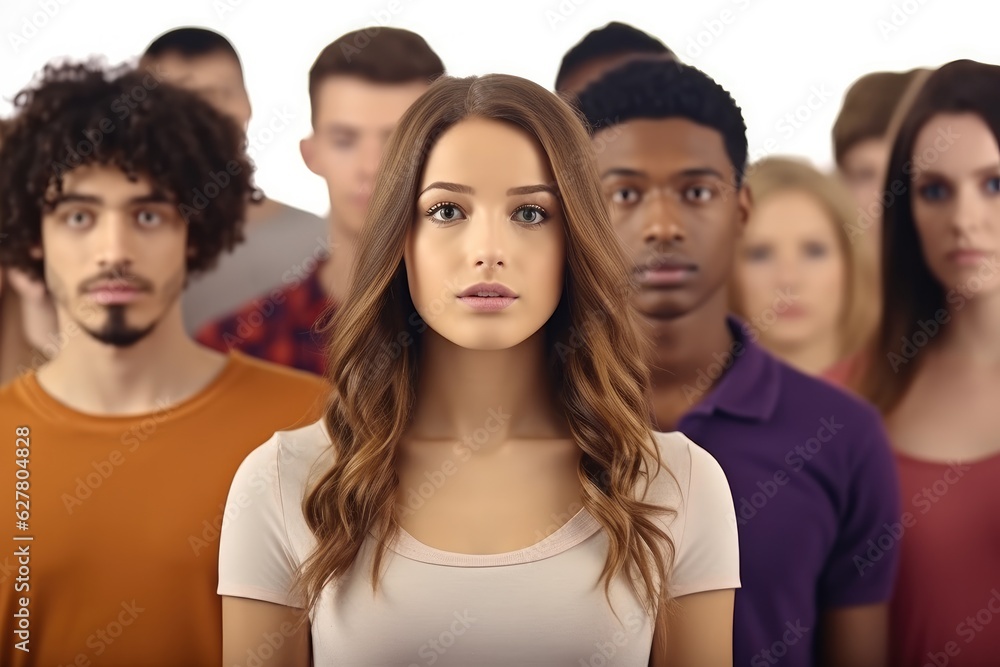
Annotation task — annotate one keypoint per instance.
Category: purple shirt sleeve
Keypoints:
(862, 565)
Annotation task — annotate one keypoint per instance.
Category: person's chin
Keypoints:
(664, 306)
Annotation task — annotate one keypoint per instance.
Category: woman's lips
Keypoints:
(487, 303)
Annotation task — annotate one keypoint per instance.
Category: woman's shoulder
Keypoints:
(688, 471)
(703, 530)
(289, 459)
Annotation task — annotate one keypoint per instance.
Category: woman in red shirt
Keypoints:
(934, 369)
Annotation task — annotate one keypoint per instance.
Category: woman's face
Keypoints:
(486, 252)
(956, 203)
(791, 271)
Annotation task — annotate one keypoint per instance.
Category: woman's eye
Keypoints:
(445, 213)
(815, 250)
(993, 184)
(148, 218)
(933, 191)
(530, 215)
(625, 196)
(758, 254)
(698, 193)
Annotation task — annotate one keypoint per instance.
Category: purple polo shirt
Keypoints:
(815, 488)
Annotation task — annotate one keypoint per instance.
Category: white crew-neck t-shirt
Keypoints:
(543, 605)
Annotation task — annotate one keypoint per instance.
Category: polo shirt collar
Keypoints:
(750, 389)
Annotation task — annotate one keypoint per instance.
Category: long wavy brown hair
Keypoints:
(602, 385)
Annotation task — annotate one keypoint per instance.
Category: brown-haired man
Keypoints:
(359, 88)
(277, 237)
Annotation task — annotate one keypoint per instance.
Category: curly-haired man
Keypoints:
(115, 187)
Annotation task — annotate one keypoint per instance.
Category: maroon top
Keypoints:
(946, 607)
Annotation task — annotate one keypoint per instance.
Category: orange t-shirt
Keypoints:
(118, 561)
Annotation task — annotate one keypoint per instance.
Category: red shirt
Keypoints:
(280, 326)
(946, 607)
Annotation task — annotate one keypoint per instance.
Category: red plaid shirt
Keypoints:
(280, 327)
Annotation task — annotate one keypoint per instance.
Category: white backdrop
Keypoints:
(787, 62)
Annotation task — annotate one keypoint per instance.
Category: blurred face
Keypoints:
(956, 203)
(486, 253)
(670, 188)
(217, 77)
(353, 120)
(791, 270)
(114, 254)
(863, 169)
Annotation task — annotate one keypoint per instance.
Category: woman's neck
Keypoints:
(974, 328)
(503, 393)
(812, 357)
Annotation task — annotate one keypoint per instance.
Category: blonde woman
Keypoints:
(800, 281)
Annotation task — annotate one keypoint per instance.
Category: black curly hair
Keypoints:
(660, 89)
(83, 113)
(613, 39)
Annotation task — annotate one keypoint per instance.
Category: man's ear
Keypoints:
(744, 205)
(307, 147)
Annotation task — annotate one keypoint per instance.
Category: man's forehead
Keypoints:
(105, 182)
(661, 145)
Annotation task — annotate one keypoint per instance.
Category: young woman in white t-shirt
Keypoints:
(485, 488)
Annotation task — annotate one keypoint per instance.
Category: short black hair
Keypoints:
(79, 114)
(614, 39)
(660, 89)
(191, 43)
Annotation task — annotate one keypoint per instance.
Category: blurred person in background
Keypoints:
(602, 50)
(862, 135)
(359, 87)
(799, 281)
(27, 318)
(809, 466)
(128, 438)
(27, 324)
(934, 370)
(277, 237)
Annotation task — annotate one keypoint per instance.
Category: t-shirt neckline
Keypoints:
(579, 528)
(48, 404)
